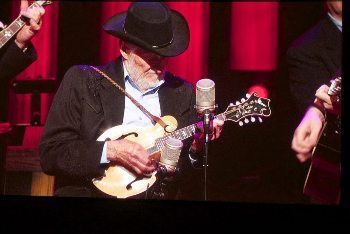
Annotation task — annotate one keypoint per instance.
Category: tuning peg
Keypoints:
(242, 100)
(8, 33)
(260, 120)
(246, 120)
(231, 104)
(252, 119)
(240, 123)
(237, 103)
(248, 95)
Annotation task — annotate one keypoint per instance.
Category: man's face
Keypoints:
(145, 68)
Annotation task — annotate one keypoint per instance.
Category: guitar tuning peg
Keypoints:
(237, 103)
(252, 119)
(2, 26)
(231, 104)
(242, 100)
(246, 120)
(248, 95)
(260, 120)
(240, 123)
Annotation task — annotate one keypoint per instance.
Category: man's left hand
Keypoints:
(34, 15)
(214, 133)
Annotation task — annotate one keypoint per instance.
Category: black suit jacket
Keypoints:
(314, 59)
(86, 105)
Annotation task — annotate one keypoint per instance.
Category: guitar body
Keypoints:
(117, 179)
(323, 180)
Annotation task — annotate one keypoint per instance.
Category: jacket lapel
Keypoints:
(168, 99)
(112, 99)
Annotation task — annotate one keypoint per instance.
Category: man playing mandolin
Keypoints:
(87, 103)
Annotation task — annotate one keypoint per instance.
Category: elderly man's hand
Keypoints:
(214, 133)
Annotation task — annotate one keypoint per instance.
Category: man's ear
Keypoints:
(123, 53)
(123, 50)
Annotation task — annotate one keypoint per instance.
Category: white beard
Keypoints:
(143, 82)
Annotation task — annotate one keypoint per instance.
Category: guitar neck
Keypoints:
(7, 33)
(11, 30)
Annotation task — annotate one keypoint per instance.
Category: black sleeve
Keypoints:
(63, 150)
(13, 60)
(307, 73)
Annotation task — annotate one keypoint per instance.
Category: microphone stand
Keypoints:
(207, 116)
(158, 191)
(164, 179)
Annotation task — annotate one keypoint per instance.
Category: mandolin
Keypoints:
(118, 181)
(11, 30)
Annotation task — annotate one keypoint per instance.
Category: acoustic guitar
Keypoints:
(11, 30)
(120, 182)
(323, 179)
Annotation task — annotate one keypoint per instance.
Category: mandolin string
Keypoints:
(161, 140)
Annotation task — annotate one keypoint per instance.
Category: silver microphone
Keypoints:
(170, 155)
(205, 95)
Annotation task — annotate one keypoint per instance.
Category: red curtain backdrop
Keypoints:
(192, 64)
(45, 66)
(109, 45)
(254, 31)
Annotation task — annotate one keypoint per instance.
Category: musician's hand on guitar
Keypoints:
(327, 102)
(33, 24)
(214, 133)
(131, 155)
(307, 133)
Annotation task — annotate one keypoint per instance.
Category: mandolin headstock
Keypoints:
(253, 106)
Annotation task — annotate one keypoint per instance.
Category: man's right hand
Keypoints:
(131, 155)
(307, 133)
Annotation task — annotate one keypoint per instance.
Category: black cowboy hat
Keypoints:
(153, 26)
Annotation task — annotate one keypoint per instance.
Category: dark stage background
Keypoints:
(252, 163)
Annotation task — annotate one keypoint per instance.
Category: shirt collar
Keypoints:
(127, 79)
(337, 22)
